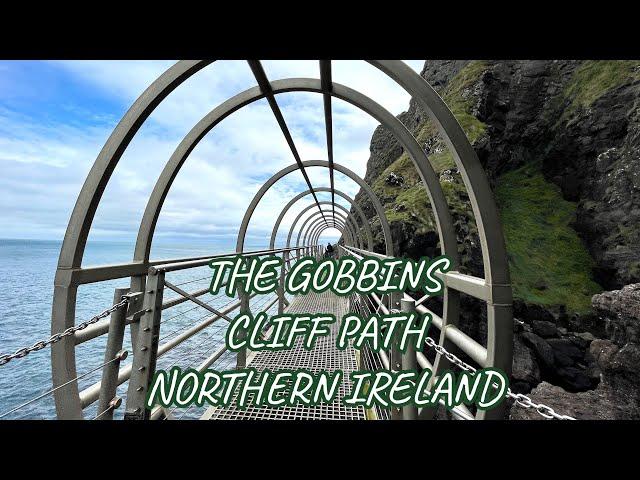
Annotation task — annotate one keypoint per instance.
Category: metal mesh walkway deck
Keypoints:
(324, 356)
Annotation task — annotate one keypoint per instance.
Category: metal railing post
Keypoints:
(146, 351)
(395, 355)
(241, 356)
(107, 401)
(409, 361)
(285, 255)
(137, 285)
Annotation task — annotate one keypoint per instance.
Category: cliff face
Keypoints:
(560, 142)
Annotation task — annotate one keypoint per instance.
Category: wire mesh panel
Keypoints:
(323, 356)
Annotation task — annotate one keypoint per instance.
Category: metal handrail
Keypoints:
(99, 273)
(91, 394)
(175, 266)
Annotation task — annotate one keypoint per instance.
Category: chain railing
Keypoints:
(126, 300)
(520, 399)
(128, 311)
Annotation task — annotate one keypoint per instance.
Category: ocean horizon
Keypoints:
(27, 270)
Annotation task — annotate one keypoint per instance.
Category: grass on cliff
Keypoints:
(459, 100)
(549, 263)
(412, 195)
(594, 78)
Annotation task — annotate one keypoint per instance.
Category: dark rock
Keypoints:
(620, 369)
(586, 336)
(439, 72)
(603, 351)
(575, 379)
(620, 311)
(581, 340)
(590, 151)
(544, 352)
(614, 360)
(532, 312)
(544, 329)
(525, 371)
(603, 403)
(565, 348)
(394, 179)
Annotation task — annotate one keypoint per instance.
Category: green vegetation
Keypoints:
(411, 197)
(415, 209)
(459, 100)
(549, 263)
(595, 77)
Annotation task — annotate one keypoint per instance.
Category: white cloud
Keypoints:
(44, 163)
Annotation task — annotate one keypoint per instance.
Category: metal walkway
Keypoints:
(324, 356)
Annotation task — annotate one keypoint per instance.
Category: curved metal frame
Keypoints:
(363, 218)
(337, 223)
(318, 226)
(314, 226)
(344, 217)
(319, 233)
(386, 230)
(315, 235)
(495, 289)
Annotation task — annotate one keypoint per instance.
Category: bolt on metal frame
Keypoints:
(494, 289)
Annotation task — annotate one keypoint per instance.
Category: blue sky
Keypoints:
(56, 115)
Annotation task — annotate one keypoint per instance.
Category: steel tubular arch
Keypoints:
(337, 219)
(442, 215)
(63, 364)
(494, 252)
(319, 233)
(315, 226)
(336, 223)
(492, 242)
(305, 222)
(313, 223)
(358, 209)
(386, 230)
(318, 229)
(343, 216)
(312, 231)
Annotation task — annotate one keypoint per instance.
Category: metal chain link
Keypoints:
(23, 352)
(520, 399)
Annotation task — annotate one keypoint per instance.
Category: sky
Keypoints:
(55, 116)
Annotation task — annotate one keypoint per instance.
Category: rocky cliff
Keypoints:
(560, 142)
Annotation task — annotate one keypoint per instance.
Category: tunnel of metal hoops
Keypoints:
(143, 309)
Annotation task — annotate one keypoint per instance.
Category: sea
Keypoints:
(27, 270)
